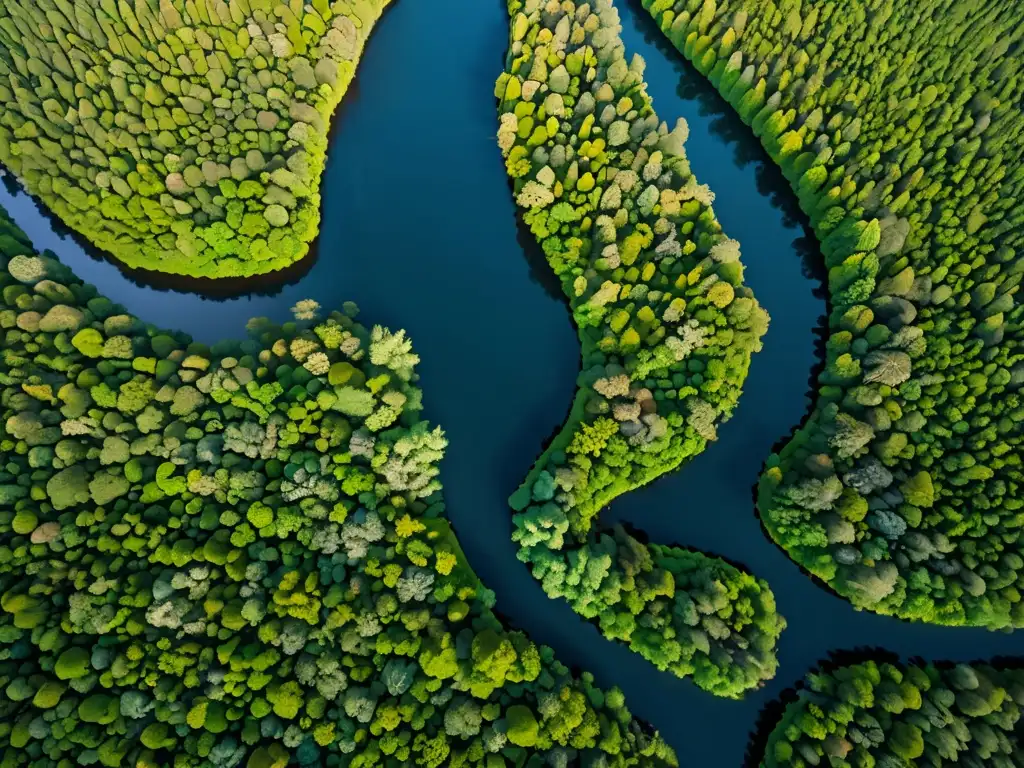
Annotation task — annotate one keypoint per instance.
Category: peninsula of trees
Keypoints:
(238, 555)
(667, 329)
(900, 128)
(182, 136)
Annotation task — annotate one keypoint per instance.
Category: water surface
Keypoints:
(420, 230)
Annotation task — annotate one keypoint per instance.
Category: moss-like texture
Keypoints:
(899, 126)
(667, 328)
(895, 715)
(182, 136)
(238, 556)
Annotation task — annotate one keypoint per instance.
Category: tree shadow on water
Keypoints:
(695, 87)
(540, 271)
(726, 125)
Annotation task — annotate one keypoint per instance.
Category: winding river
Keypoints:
(448, 261)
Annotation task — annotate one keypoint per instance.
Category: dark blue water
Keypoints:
(420, 230)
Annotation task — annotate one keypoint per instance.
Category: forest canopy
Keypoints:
(666, 326)
(238, 555)
(899, 126)
(182, 136)
(893, 715)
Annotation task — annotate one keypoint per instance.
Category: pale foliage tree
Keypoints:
(392, 350)
(891, 367)
(411, 463)
(306, 309)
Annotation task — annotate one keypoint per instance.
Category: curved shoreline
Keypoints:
(313, 106)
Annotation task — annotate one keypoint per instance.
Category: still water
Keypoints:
(419, 229)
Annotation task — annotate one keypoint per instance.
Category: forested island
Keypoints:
(666, 327)
(180, 136)
(239, 555)
(899, 126)
(893, 715)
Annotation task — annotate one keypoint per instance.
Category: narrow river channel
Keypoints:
(420, 230)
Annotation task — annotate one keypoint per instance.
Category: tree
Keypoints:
(392, 350)
(414, 585)
(73, 663)
(411, 462)
(906, 741)
(463, 719)
(851, 436)
(68, 487)
(398, 676)
(816, 494)
(522, 728)
(890, 367)
(354, 402)
(919, 490)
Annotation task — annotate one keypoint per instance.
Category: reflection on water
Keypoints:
(419, 229)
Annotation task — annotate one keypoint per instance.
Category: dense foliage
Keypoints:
(239, 556)
(894, 716)
(184, 136)
(667, 329)
(899, 125)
